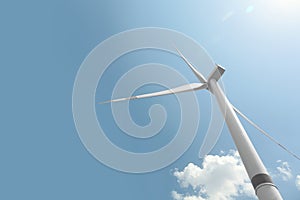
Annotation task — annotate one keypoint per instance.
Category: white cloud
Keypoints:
(220, 178)
(177, 196)
(298, 182)
(284, 170)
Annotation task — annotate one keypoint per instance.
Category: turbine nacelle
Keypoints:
(215, 74)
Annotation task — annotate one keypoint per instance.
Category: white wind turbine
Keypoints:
(262, 183)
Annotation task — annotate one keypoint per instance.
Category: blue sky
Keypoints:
(44, 43)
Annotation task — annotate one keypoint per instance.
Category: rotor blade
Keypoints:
(265, 133)
(195, 71)
(183, 88)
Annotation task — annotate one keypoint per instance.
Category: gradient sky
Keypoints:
(44, 43)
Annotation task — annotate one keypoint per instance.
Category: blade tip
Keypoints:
(103, 102)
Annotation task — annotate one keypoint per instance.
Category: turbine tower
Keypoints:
(262, 182)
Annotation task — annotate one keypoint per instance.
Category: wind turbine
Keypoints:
(262, 182)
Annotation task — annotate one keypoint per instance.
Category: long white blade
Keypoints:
(183, 88)
(265, 133)
(195, 71)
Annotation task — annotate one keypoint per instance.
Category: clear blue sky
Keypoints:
(44, 43)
